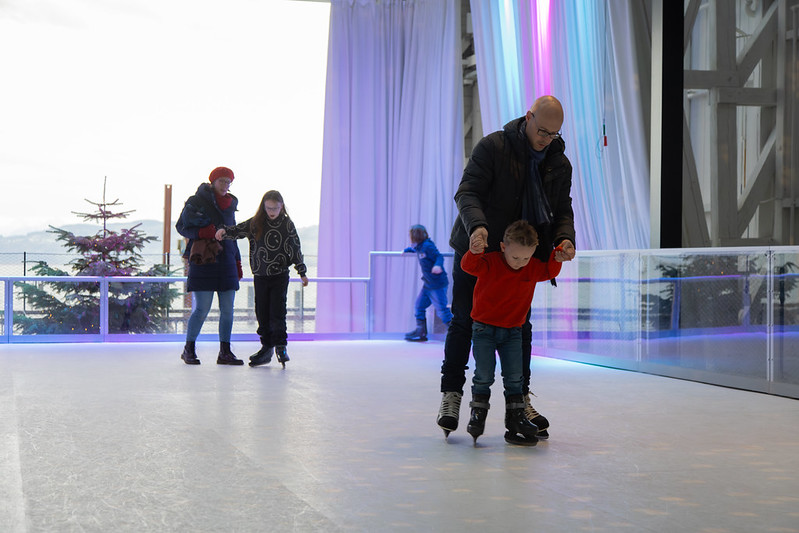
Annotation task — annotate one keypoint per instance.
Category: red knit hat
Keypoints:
(220, 172)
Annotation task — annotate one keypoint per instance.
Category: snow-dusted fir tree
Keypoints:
(67, 307)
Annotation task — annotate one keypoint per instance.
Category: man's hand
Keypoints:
(220, 234)
(436, 269)
(565, 251)
(478, 242)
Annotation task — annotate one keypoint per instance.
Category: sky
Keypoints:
(153, 92)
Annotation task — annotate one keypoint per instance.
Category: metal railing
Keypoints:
(12, 302)
(719, 315)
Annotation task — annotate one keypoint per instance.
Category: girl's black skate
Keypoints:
(282, 355)
(262, 356)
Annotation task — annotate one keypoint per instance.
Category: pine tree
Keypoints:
(67, 307)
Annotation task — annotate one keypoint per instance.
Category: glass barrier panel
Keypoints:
(786, 318)
(707, 312)
(301, 308)
(146, 307)
(339, 307)
(3, 309)
(396, 284)
(595, 307)
(56, 307)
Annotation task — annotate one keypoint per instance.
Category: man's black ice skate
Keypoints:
(282, 355)
(518, 439)
(262, 356)
(449, 411)
(520, 430)
(535, 417)
(477, 420)
(419, 334)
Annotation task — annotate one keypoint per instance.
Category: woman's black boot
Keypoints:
(226, 357)
(189, 356)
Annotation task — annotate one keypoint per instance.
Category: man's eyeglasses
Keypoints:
(544, 133)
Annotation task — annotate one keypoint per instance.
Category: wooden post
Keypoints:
(167, 222)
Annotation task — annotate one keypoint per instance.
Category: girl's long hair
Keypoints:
(260, 218)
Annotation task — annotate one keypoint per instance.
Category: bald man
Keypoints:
(518, 173)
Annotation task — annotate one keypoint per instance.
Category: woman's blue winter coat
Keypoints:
(199, 211)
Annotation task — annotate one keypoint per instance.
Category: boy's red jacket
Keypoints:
(502, 296)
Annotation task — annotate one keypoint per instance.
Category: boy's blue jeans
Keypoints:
(507, 342)
(201, 301)
(437, 297)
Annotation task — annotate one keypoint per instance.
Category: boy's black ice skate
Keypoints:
(449, 411)
(262, 356)
(419, 334)
(282, 355)
(477, 420)
(520, 430)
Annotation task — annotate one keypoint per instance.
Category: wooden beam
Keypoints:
(690, 19)
(785, 229)
(725, 35)
(694, 223)
(760, 46)
(709, 79)
(762, 183)
(741, 242)
(724, 171)
(748, 96)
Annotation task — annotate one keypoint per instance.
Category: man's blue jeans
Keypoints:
(507, 342)
(202, 304)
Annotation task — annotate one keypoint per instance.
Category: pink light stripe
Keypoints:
(542, 57)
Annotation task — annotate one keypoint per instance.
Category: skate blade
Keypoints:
(520, 440)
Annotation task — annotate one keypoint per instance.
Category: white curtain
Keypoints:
(582, 53)
(393, 151)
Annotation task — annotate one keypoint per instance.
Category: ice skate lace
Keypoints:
(529, 410)
(450, 406)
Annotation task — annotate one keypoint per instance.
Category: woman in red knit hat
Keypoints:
(214, 266)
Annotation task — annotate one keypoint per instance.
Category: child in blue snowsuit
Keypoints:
(434, 289)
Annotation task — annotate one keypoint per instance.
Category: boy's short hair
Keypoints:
(418, 233)
(521, 232)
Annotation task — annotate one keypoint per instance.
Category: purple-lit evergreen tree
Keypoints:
(74, 307)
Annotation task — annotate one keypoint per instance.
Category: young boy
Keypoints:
(434, 289)
(502, 298)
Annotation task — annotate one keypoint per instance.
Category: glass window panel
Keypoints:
(56, 308)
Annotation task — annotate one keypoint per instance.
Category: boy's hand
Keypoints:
(220, 234)
(436, 269)
(478, 241)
